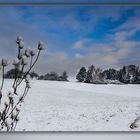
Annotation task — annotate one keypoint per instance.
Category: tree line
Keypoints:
(49, 76)
(54, 76)
(127, 74)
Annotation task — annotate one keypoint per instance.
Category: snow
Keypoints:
(73, 106)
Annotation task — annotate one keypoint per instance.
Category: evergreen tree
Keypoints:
(97, 76)
(123, 75)
(128, 74)
(138, 76)
(110, 74)
(89, 77)
(81, 75)
(120, 77)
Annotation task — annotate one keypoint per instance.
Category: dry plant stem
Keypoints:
(134, 124)
(25, 92)
(2, 83)
(26, 89)
(13, 108)
(7, 109)
(15, 77)
(31, 61)
(23, 96)
(18, 53)
(14, 127)
(20, 73)
(2, 78)
(30, 68)
(16, 71)
(14, 84)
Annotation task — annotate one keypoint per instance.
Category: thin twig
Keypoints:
(2, 78)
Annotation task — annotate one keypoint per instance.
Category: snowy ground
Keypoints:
(72, 106)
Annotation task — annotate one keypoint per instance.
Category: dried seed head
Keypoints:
(18, 66)
(14, 113)
(17, 109)
(11, 96)
(20, 42)
(10, 93)
(19, 106)
(24, 60)
(4, 62)
(24, 57)
(40, 45)
(27, 52)
(6, 104)
(16, 62)
(32, 52)
(8, 121)
(17, 119)
(12, 116)
(11, 101)
(27, 79)
(19, 38)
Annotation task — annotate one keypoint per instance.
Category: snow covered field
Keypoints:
(72, 106)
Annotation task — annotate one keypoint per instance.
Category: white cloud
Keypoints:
(78, 55)
(81, 43)
(103, 54)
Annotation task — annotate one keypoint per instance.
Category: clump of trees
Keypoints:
(111, 74)
(92, 75)
(54, 76)
(11, 74)
(127, 74)
(81, 76)
(10, 103)
(33, 75)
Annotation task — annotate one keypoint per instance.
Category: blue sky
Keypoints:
(74, 36)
